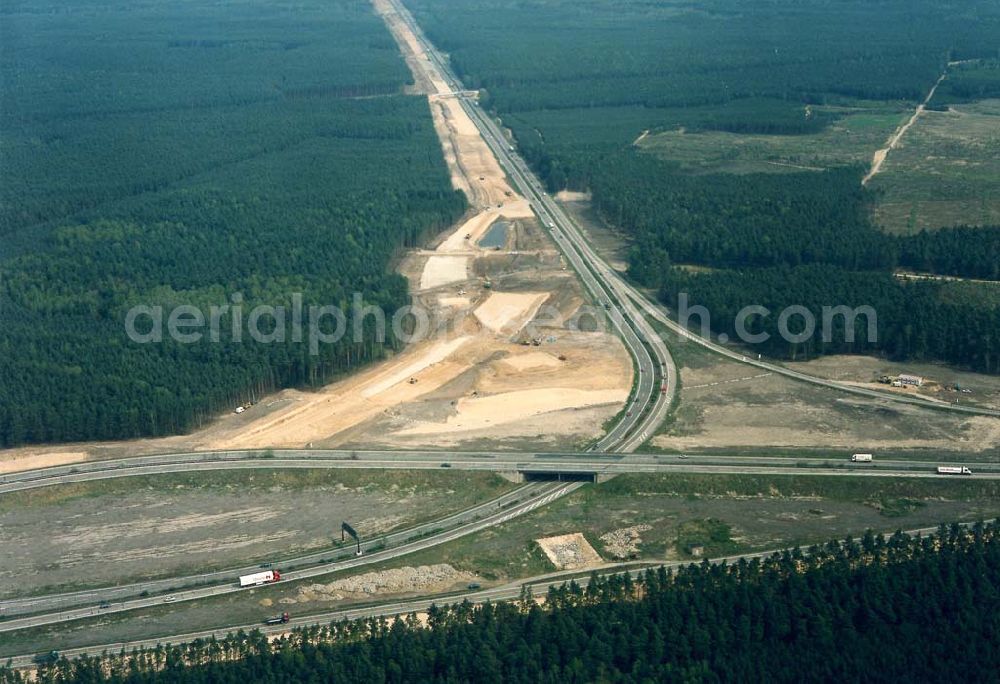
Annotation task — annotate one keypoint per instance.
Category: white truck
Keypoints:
(861, 458)
(953, 470)
(259, 578)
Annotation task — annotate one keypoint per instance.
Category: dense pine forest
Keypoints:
(205, 154)
(896, 608)
(578, 83)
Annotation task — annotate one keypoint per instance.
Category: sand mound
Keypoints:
(435, 354)
(443, 270)
(477, 413)
(531, 360)
(454, 302)
(508, 312)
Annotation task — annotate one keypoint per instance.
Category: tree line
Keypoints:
(599, 53)
(577, 82)
(909, 319)
(289, 187)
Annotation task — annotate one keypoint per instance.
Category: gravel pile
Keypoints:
(624, 542)
(395, 581)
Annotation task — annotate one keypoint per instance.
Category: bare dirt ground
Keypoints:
(27, 459)
(942, 383)
(725, 405)
(126, 530)
(479, 301)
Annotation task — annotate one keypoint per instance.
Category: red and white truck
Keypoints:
(259, 578)
(278, 619)
(953, 470)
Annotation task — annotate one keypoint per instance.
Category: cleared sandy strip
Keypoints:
(517, 209)
(437, 353)
(573, 196)
(531, 360)
(318, 416)
(459, 121)
(454, 302)
(31, 460)
(477, 413)
(442, 270)
(409, 41)
(449, 145)
(508, 312)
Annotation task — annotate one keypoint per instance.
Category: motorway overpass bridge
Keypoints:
(516, 466)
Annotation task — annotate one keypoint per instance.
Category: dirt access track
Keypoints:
(505, 366)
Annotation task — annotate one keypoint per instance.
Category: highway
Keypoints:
(654, 391)
(599, 464)
(652, 394)
(119, 592)
(538, 586)
(546, 494)
(656, 383)
(517, 502)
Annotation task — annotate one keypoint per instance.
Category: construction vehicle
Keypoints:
(953, 470)
(259, 578)
(278, 619)
(861, 458)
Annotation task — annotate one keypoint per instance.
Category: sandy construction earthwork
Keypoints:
(468, 382)
(478, 379)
